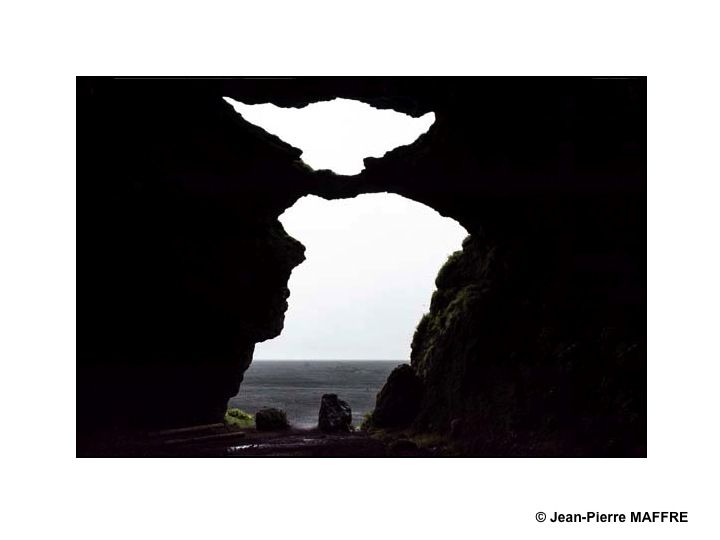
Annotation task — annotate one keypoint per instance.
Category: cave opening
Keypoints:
(369, 274)
(337, 134)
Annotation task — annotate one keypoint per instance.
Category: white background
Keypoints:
(47, 493)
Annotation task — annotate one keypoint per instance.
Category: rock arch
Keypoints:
(538, 326)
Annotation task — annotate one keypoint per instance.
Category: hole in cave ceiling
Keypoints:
(337, 135)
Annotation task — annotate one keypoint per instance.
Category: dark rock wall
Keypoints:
(548, 362)
(535, 339)
(189, 264)
(544, 308)
(398, 402)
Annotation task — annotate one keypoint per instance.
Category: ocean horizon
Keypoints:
(296, 386)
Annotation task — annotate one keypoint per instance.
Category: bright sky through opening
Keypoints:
(367, 279)
(337, 134)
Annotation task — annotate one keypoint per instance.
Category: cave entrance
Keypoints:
(369, 274)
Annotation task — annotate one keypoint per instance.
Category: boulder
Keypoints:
(398, 402)
(335, 414)
(271, 419)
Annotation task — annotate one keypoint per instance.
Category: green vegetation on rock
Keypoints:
(239, 419)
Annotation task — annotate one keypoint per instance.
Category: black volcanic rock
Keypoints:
(531, 358)
(399, 400)
(335, 414)
(271, 419)
(189, 262)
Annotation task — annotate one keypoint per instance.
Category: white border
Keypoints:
(48, 493)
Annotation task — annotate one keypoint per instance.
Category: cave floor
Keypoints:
(217, 441)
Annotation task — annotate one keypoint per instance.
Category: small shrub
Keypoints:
(239, 419)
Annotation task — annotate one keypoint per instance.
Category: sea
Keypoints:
(296, 386)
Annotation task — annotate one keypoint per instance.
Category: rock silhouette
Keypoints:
(399, 400)
(335, 414)
(271, 419)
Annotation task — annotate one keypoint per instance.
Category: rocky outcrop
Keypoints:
(536, 335)
(335, 414)
(398, 402)
(534, 363)
(271, 419)
(188, 263)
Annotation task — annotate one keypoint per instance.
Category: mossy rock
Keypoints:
(271, 419)
(237, 418)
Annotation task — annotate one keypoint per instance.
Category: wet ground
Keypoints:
(308, 443)
(217, 441)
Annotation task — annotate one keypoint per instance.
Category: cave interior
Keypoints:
(535, 340)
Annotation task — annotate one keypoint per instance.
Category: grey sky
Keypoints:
(339, 133)
(369, 274)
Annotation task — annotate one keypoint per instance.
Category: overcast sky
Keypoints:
(339, 133)
(368, 277)
(371, 261)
